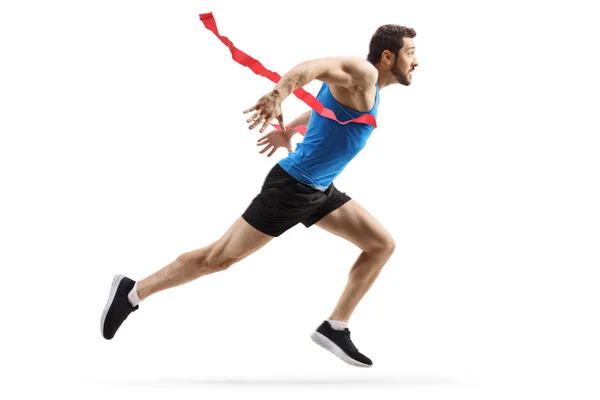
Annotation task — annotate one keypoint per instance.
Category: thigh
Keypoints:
(354, 223)
(334, 200)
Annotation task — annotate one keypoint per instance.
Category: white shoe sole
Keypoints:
(113, 290)
(328, 345)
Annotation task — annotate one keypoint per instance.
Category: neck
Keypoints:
(385, 77)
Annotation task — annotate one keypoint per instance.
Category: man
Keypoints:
(299, 188)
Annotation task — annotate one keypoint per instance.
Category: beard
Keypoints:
(400, 77)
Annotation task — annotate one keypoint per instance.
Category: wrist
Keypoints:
(279, 93)
(290, 131)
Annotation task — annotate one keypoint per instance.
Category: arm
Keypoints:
(349, 72)
(302, 120)
(283, 138)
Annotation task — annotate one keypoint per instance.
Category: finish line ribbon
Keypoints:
(247, 61)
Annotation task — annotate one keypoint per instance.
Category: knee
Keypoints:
(388, 245)
(384, 245)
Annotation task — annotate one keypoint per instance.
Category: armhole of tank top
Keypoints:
(322, 89)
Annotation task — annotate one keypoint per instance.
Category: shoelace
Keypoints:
(348, 340)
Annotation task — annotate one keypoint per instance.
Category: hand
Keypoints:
(266, 108)
(276, 139)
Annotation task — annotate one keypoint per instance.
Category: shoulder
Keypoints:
(363, 72)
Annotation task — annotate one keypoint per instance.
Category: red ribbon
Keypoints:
(244, 59)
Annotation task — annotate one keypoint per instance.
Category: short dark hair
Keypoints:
(388, 37)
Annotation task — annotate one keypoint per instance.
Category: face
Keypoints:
(405, 63)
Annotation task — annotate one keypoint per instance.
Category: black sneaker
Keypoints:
(117, 307)
(339, 343)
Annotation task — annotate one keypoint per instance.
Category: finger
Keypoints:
(272, 152)
(259, 119)
(252, 118)
(256, 123)
(266, 123)
(280, 119)
(265, 149)
(255, 107)
(261, 142)
(263, 138)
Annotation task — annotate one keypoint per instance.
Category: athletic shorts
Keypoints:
(283, 202)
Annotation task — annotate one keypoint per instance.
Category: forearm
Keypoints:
(298, 77)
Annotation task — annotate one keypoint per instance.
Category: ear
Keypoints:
(388, 58)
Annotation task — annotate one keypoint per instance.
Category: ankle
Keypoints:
(133, 296)
(337, 324)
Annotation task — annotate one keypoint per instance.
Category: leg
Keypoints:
(240, 240)
(355, 224)
(281, 204)
(273, 211)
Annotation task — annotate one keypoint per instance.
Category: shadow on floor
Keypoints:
(399, 381)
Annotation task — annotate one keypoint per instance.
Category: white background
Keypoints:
(123, 145)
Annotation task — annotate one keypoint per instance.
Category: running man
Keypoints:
(299, 188)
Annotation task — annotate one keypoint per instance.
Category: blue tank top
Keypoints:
(328, 146)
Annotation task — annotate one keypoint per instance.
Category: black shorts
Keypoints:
(283, 202)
